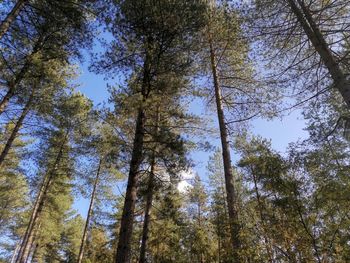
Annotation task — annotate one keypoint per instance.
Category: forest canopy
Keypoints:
(128, 131)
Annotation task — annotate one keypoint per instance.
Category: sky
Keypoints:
(281, 131)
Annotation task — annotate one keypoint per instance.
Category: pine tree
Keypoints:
(14, 188)
(68, 122)
(44, 31)
(200, 232)
(152, 43)
(218, 206)
(300, 36)
(104, 146)
(225, 61)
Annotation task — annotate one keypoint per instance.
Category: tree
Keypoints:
(68, 122)
(295, 222)
(14, 188)
(200, 229)
(167, 235)
(300, 36)
(218, 206)
(70, 238)
(50, 30)
(302, 12)
(225, 57)
(147, 40)
(104, 147)
(52, 82)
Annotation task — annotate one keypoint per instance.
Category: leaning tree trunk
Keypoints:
(317, 39)
(231, 195)
(29, 235)
(5, 25)
(15, 130)
(33, 256)
(146, 222)
(13, 258)
(19, 76)
(126, 224)
(87, 223)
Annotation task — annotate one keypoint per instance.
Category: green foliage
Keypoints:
(293, 207)
(14, 190)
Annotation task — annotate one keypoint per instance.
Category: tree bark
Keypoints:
(126, 225)
(312, 31)
(86, 228)
(15, 130)
(150, 193)
(229, 179)
(5, 25)
(29, 235)
(146, 222)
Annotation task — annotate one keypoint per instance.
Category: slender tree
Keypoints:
(91, 204)
(155, 32)
(71, 110)
(225, 50)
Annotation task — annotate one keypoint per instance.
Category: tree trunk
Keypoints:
(126, 224)
(33, 249)
(146, 222)
(12, 85)
(318, 41)
(29, 235)
(229, 179)
(13, 258)
(150, 193)
(86, 228)
(5, 25)
(219, 249)
(267, 241)
(15, 130)
(5, 100)
(35, 257)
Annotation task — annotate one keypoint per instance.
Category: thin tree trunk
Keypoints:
(30, 227)
(37, 209)
(126, 225)
(35, 254)
(13, 258)
(86, 228)
(267, 240)
(149, 198)
(5, 25)
(15, 130)
(229, 179)
(146, 222)
(219, 232)
(33, 230)
(32, 251)
(5, 100)
(318, 41)
(12, 85)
